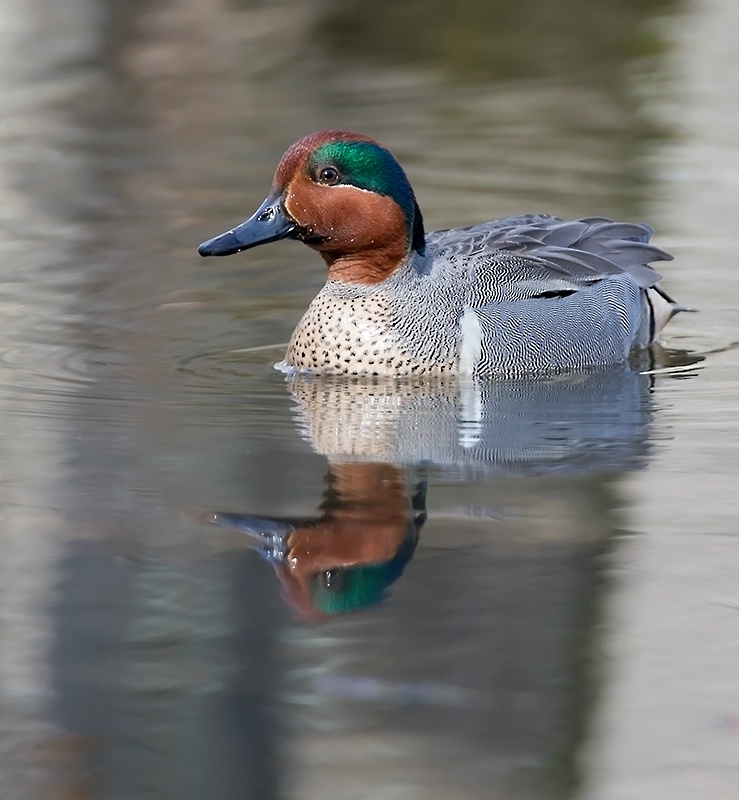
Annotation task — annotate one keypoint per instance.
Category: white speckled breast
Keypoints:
(351, 331)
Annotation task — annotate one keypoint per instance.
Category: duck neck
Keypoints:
(370, 267)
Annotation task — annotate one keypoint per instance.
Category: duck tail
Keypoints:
(662, 308)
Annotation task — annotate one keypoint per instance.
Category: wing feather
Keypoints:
(531, 250)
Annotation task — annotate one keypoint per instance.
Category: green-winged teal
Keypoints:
(520, 295)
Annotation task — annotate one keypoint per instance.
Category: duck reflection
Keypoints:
(346, 559)
(382, 436)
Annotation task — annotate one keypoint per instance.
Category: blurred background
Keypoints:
(568, 625)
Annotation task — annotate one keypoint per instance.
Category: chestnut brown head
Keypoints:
(344, 195)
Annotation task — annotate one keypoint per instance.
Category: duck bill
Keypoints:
(269, 223)
(268, 536)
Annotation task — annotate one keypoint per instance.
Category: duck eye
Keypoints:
(329, 176)
(332, 579)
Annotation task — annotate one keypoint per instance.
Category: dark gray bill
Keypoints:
(269, 535)
(268, 224)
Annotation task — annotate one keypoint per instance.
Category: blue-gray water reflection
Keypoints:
(382, 438)
(503, 491)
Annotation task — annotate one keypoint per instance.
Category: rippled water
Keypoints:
(218, 581)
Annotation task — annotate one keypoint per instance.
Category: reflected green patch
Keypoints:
(344, 590)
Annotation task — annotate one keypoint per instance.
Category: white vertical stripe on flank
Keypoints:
(470, 346)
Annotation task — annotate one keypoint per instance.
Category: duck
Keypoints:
(523, 295)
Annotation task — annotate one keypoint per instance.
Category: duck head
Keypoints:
(343, 194)
(346, 559)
